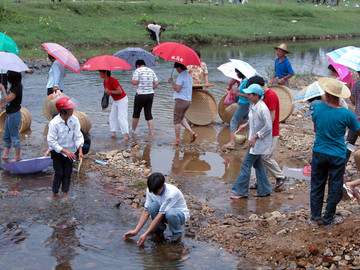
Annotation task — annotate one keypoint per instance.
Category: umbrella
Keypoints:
(10, 61)
(63, 55)
(340, 69)
(347, 56)
(132, 54)
(228, 69)
(310, 91)
(244, 68)
(106, 62)
(28, 165)
(177, 52)
(7, 44)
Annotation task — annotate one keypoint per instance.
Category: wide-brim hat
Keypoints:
(334, 87)
(283, 47)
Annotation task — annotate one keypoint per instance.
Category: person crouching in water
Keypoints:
(119, 111)
(165, 204)
(64, 139)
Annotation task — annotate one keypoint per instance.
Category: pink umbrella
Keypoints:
(106, 62)
(63, 55)
(343, 71)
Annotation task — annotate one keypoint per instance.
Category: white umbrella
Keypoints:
(347, 56)
(228, 69)
(244, 68)
(10, 61)
(310, 91)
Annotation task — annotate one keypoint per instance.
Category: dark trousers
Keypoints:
(351, 138)
(50, 90)
(331, 169)
(143, 101)
(63, 169)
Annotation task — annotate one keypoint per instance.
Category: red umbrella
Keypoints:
(178, 53)
(63, 55)
(106, 62)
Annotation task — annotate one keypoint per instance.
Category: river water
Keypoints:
(86, 231)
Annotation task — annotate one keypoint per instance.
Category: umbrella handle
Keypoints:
(171, 73)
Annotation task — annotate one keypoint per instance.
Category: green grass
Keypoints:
(90, 28)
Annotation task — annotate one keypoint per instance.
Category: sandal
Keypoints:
(237, 197)
(280, 182)
(257, 195)
(336, 221)
(314, 224)
(253, 186)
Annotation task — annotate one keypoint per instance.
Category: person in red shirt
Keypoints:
(118, 118)
(272, 102)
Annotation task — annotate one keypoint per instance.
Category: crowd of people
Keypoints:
(257, 113)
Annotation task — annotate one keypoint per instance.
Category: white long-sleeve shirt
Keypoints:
(260, 123)
(156, 28)
(65, 135)
(56, 75)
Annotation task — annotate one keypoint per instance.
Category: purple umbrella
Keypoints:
(28, 165)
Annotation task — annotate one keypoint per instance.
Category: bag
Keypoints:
(230, 98)
(105, 101)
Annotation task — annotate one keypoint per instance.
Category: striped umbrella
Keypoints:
(63, 55)
(310, 91)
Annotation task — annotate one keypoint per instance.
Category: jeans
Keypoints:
(241, 113)
(241, 185)
(174, 217)
(326, 168)
(11, 132)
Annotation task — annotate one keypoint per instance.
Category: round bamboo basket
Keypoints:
(84, 121)
(24, 124)
(226, 112)
(203, 109)
(49, 106)
(286, 98)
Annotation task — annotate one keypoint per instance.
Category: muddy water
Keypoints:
(86, 231)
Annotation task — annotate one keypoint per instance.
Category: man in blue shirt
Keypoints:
(283, 70)
(329, 151)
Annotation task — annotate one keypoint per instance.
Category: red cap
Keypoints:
(64, 103)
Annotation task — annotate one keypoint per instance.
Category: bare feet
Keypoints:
(113, 135)
(176, 142)
(53, 195)
(126, 137)
(15, 159)
(64, 195)
(356, 195)
(4, 157)
(151, 133)
(193, 137)
(229, 146)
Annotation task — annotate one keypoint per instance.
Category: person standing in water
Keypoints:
(118, 117)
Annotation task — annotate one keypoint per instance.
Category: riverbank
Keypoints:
(91, 28)
(270, 236)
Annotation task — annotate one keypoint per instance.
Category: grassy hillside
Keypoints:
(89, 27)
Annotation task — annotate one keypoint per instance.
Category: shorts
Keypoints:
(180, 109)
(143, 101)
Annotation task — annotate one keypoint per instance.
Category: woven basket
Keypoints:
(286, 98)
(240, 137)
(84, 121)
(24, 124)
(202, 110)
(226, 112)
(49, 106)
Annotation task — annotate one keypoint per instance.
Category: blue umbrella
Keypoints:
(28, 165)
(132, 54)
